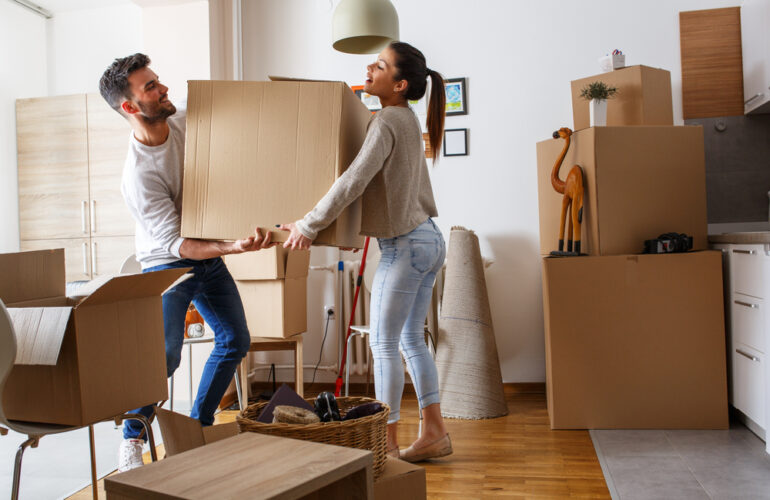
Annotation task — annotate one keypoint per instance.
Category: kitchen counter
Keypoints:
(746, 237)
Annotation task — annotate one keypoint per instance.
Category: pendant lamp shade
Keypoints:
(364, 26)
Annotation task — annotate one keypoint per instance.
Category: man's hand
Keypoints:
(252, 243)
(296, 241)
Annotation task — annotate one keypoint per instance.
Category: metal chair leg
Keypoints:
(94, 480)
(147, 428)
(238, 389)
(31, 441)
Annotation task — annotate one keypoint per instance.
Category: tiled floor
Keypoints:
(658, 464)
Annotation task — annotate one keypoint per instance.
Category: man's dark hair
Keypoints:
(114, 85)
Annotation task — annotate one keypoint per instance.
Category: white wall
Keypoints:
(83, 43)
(22, 74)
(519, 58)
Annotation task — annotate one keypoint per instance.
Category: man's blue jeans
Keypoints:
(214, 294)
(401, 293)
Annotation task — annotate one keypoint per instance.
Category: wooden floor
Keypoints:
(515, 456)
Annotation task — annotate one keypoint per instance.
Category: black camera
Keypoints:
(669, 243)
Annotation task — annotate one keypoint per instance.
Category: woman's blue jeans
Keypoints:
(401, 293)
(214, 294)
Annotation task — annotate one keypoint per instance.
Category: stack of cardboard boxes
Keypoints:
(632, 341)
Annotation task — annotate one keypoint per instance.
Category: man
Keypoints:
(152, 189)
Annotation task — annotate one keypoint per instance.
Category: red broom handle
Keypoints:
(359, 280)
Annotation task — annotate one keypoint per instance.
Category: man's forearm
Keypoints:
(204, 249)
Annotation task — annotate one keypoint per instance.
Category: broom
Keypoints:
(359, 280)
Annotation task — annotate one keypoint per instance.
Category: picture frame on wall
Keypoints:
(372, 102)
(456, 142)
(456, 96)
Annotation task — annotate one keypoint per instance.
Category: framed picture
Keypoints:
(456, 98)
(456, 142)
(372, 102)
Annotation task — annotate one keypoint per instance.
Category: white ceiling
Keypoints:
(55, 6)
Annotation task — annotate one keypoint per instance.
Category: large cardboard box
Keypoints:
(635, 342)
(82, 359)
(273, 287)
(640, 182)
(643, 98)
(400, 480)
(264, 153)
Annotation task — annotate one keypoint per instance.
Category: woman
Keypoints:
(391, 173)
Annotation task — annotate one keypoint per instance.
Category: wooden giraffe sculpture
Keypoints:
(572, 189)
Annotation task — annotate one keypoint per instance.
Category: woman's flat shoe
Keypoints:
(438, 448)
(393, 452)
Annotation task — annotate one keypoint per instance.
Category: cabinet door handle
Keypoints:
(747, 304)
(83, 207)
(85, 258)
(744, 353)
(93, 216)
(93, 259)
(746, 252)
(753, 98)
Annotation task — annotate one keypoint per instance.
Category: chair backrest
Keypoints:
(7, 353)
(130, 265)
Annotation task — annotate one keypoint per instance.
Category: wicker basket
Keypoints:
(365, 433)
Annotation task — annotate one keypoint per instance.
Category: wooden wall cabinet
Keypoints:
(71, 151)
(755, 41)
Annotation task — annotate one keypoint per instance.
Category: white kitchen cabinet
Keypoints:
(747, 294)
(755, 42)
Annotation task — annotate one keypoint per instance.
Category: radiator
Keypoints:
(359, 353)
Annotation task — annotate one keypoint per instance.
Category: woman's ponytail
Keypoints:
(436, 113)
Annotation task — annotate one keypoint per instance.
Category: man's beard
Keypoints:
(156, 113)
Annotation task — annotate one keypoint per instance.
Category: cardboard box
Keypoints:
(400, 480)
(181, 433)
(273, 288)
(264, 153)
(640, 182)
(635, 342)
(82, 359)
(643, 98)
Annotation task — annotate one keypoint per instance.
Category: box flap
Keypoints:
(39, 333)
(32, 275)
(133, 286)
(274, 78)
(400, 480)
(213, 433)
(181, 433)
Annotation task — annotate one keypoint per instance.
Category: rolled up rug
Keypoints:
(470, 382)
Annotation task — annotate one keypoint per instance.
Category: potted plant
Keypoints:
(597, 94)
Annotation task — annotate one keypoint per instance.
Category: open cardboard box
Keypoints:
(264, 153)
(273, 286)
(82, 359)
(400, 479)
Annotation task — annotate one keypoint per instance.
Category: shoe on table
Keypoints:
(438, 448)
(130, 454)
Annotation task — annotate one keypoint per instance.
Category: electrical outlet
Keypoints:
(329, 312)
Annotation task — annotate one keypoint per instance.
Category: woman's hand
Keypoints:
(296, 241)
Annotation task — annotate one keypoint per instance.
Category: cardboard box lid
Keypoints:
(132, 286)
(400, 480)
(269, 264)
(181, 433)
(32, 275)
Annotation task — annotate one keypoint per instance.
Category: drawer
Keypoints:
(748, 394)
(746, 269)
(748, 317)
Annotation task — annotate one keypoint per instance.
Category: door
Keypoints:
(108, 137)
(109, 253)
(52, 150)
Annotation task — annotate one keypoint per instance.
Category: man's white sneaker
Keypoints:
(130, 454)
